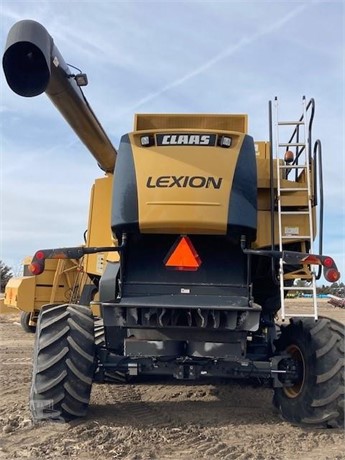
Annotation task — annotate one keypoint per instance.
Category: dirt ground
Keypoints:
(161, 420)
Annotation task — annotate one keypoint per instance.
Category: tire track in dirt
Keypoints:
(17, 361)
(179, 439)
(181, 430)
(158, 420)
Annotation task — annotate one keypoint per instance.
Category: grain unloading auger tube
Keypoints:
(33, 65)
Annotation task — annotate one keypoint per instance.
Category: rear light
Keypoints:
(328, 262)
(37, 265)
(313, 260)
(332, 275)
(36, 268)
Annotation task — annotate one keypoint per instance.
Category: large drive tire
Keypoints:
(317, 399)
(63, 364)
(24, 322)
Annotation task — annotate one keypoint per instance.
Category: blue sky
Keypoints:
(165, 56)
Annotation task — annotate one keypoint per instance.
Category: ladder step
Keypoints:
(309, 279)
(293, 189)
(296, 237)
(290, 213)
(296, 288)
(282, 123)
(292, 144)
(305, 315)
(293, 166)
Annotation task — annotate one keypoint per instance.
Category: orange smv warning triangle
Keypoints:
(183, 256)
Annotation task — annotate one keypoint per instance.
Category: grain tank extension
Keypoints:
(212, 229)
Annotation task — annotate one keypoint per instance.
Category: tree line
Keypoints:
(5, 275)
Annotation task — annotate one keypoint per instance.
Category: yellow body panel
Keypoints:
(99, 229)
(96, 310)
(161, 210)
(293, 198)
(20, 293)
(260, 149)
(263, 171)
(292, 225)
(296, 225)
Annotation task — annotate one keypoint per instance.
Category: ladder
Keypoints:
(296, 163)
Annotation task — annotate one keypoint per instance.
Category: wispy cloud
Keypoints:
(229, 51)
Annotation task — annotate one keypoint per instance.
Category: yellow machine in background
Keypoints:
(61, 282)
(66, 280)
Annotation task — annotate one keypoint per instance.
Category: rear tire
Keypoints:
(24, 322)
(63, 364)
(317, 399)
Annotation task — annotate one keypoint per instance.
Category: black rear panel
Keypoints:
(176, 303)
(222, 271)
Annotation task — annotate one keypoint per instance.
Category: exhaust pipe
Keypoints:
(33, 65)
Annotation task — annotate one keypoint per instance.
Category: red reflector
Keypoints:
(183, 256)
(332, 275)
(313, 260)
(35, 268)
(39, 255)
(328, 262)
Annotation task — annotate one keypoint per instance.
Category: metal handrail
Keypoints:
(272, 201)
(295, 135)
(318, 188)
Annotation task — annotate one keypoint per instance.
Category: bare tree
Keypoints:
(5, 275)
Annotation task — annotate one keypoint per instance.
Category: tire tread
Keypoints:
(64, 363)
(320, 402)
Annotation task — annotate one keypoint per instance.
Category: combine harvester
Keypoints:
(208, 230)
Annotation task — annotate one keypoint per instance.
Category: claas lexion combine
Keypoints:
(206, 233)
